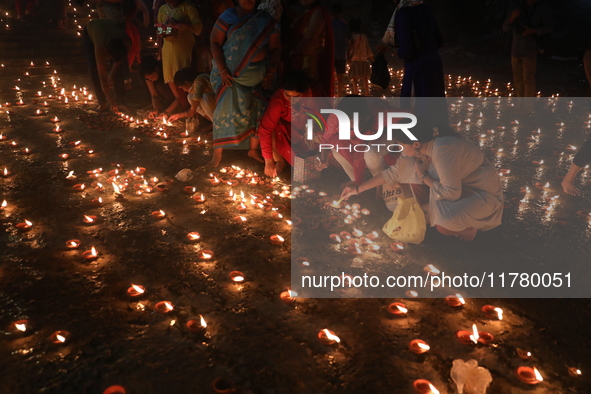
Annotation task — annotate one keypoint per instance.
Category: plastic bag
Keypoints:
(408, 222)
(184, 175)
(469, 377)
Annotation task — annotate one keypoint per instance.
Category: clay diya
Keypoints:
(397, 247)
(529, 375)
(240, 219)
(59, 337)
(158, 214)
(163, 306)
(237, 276)
(20, 326)
(24, 226)
(288, 296)
(89, 219)
(91, 254)
(79, 187)
(115, 390)
(190, 189)
(418, 346)
(136, 290)
(574, 372)
(199, 199)
(397, 309)
(523, 354)
(205, 254)
(423, 386)
(197, 326)
(193, 236)
(97, 201)
(221, 385)
(492, 312)
(277, 239)
(73, 244)
(455, 300)
(327, 337)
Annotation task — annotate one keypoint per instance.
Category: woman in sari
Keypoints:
(245, 46)
(465, 192)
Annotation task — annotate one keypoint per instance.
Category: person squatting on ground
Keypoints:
(200, 94)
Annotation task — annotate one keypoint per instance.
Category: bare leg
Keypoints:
(217, 157)
(254, 151)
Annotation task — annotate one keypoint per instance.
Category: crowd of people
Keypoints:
(263, 55)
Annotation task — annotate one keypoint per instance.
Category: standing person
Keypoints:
(528, 21)
(246, 48)
(418, 38)
(360, 55)
(178, 23)
(200, 94)
(311, 45)
(465, 192)
(105, 40)
(342, 37)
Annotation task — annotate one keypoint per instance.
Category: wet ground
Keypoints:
(253, 340)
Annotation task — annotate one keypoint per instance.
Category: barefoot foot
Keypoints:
(255, 154)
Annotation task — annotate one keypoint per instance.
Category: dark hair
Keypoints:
(117, 49)
(185, 75)
(149, 65)
(297, 81)
(337, 9)
(355, 25)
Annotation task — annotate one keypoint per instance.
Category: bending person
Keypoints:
(465, 191)
(582, 159)
(281, 132)
(200, 94)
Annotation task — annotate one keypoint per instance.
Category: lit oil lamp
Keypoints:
(418, 346)
(529, 375)
(277, 239)
(59, 337)
(55, 119)
(236, 276)
(455, 300)
(397, 309)
(26, 151)
(205, 254)
(431, 270)
(164, 307)
(523, 354)
(89, 219)
(288, 296)
(193, 236)
(97, 201)
(14, 144)
(327, 337)
(199, 199)
(73, 243)
(276, 215)
(5, 172)
(3, 205)
(492, 312)
(241, 207)
(474, 337)
(197, 325)
(574, 372)
(158, 214)
(58, 129)
(79, 187)
(215, 181)
(91, 254)
(115, 390)
(89, 151)
(397, 247)
(136, 290)
(20, 326)
(240, 219)
(190, 189)
(423, 386)
(24, 226)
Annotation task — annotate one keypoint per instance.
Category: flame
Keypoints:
(461, 299)
(433, 389)
(292, 294)
(5, 171)
(162, 213)
(116, 188)
(60, 338)
(357, 233)
(138, 288)
(21, 327)
(474, 337)
(279, 238)
(28, 223)
(207, 255)
(401, 309)
(288, 222)
(168, 305)
(194, 236)
(499, 313)
(73, 244)
(93, 252)
(172, 322)
(202, 196)
(423, 346)
(330, 336)
(538, 375)
(203, 323)
(4, 204)
(88, 219)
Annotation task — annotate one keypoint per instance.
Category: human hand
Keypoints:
(349, 191)
(226, 78)
(176, 117)
(320, 165)
(270, 168)
(153, 114)
(422, 165)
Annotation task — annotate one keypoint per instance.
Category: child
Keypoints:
(201, 96)
(360, 55)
